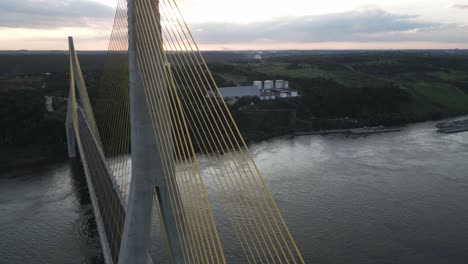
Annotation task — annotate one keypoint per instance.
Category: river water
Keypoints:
(387, 198)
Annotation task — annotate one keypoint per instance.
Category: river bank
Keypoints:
(352, 131)
(38, 155)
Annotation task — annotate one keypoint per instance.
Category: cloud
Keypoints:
(51, 20)
(50, 14)
(460, 6)
(365, 25)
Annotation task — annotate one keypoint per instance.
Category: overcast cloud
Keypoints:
(460, 6)
(359, 25)
(93, 20)
(47, 14)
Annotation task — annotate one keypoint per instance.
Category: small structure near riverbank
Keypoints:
(352, 131)
(453, 127)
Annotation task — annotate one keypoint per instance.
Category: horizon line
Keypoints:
(253, 50)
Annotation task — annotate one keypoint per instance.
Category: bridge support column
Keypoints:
(146, 169)
(137, 228)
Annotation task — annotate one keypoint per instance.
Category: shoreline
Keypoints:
(345, 130)
(38, 155)
(351, 131)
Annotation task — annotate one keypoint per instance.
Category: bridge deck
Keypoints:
(109, 203)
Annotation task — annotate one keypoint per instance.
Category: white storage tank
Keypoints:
(279, 84)
(258, 84)
(286, 84)
(268, 85)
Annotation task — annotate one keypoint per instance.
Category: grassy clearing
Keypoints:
(285, 69)
(451, 75)
(442, 94)
(343, 74)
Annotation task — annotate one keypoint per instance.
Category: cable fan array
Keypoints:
(112, 103)
(190, 119)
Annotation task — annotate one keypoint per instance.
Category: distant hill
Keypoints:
(26, 61)
(38, 63)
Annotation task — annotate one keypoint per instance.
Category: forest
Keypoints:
(337, 90)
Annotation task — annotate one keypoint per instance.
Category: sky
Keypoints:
(250, 24)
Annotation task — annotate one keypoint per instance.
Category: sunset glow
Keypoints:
(250, 24)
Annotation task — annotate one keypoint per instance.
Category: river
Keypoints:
(386, 198)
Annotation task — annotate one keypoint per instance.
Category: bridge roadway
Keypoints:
(110, 203)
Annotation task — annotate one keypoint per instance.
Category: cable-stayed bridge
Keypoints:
(157, 110)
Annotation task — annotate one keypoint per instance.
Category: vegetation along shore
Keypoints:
(337, 90)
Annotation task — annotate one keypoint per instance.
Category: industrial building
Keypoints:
(239, 91)
(271, 90)
(264, 90)
(268, 89)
